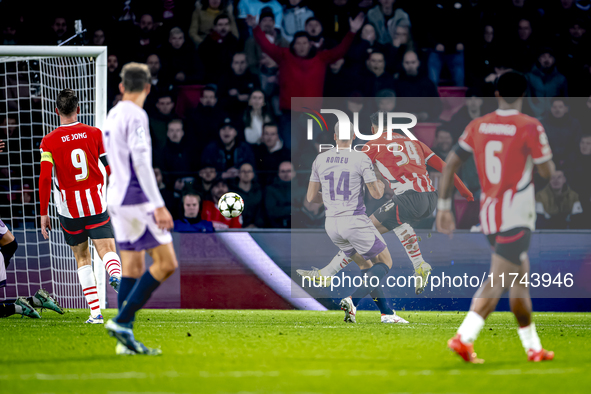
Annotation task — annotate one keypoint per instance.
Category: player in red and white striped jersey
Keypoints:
(74, 153)
(506, 145)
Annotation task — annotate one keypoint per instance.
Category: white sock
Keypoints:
(112, 264)
(18, 309)
(529, 338)
(89, 289)
(338, 262)
(407, 236)
(471, 327)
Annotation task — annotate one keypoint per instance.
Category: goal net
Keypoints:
(30, 80)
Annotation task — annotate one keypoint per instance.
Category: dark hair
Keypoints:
(369, 55)
(299, 34)
(219, 17)
(312, 18)
(212, 88)
(270, 124)
(511, 85)
(266, 111)
(134, 77)
(66, 102)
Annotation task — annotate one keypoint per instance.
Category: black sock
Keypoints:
(138, 297)
(379, 270)
(380, 299)
(124, 289)
(7, 310)
(356, 301)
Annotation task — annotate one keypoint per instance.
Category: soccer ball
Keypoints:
(231, 205)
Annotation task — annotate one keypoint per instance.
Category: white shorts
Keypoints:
(355, 234)
(135, 227)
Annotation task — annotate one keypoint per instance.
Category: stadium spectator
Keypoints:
(557, 205)
(386, 16)
(252, 194)
(365, 44)
(545, 82)
(58, 32)
(145, 37)
(171, 202)
(402, 42)
(573, 57)
(301, 68)
(191, 221)
(446, 37)
(255, 7)
(177, 159)
(562, 129)
(11, 34)
(159, 121)
(98, 37)
(237, 85)
(211, 212)
(481, 56)
(161, 84)
(227, 153)
(270, 154)
(578, 168)
(255, 116)
(113, 79)
(277, 203)
(522, 48)
(295, 15)
(443, 142)
(204, 15)
(335, 18)
(411, 84)
(316, 34)
(267, 24)
(386, 100)
(207, 174)
(470, 111)
(180, 59)
(205, 120)
(217, 49)
(375, 78)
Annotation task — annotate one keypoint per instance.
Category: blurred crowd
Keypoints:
(224, 73)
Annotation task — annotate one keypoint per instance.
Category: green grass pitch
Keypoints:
(213, 351)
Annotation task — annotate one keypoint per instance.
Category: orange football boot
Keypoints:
(464, 350)
(542, 355)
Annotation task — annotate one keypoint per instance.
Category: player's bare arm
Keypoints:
(445, 218)
(376, 189)
(546, 169)
(313, 192)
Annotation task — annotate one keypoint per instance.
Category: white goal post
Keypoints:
(30, 79)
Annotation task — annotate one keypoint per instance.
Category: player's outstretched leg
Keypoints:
(388, 315)
(408, 237)
(42, 299)
(521, 306)
(26, 309)
(324, 275)
(164, 265)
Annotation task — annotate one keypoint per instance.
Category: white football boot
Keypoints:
(393, 319)
(314, 275)
(95, 320)
(350, 310)
(422, 274)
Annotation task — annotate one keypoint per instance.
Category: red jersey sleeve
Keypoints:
(537, 143)
(427, 152)
(466, 140)
(45, 176)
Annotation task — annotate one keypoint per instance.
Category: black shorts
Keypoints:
(409, 207)
(77, 231)
(511, 244)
